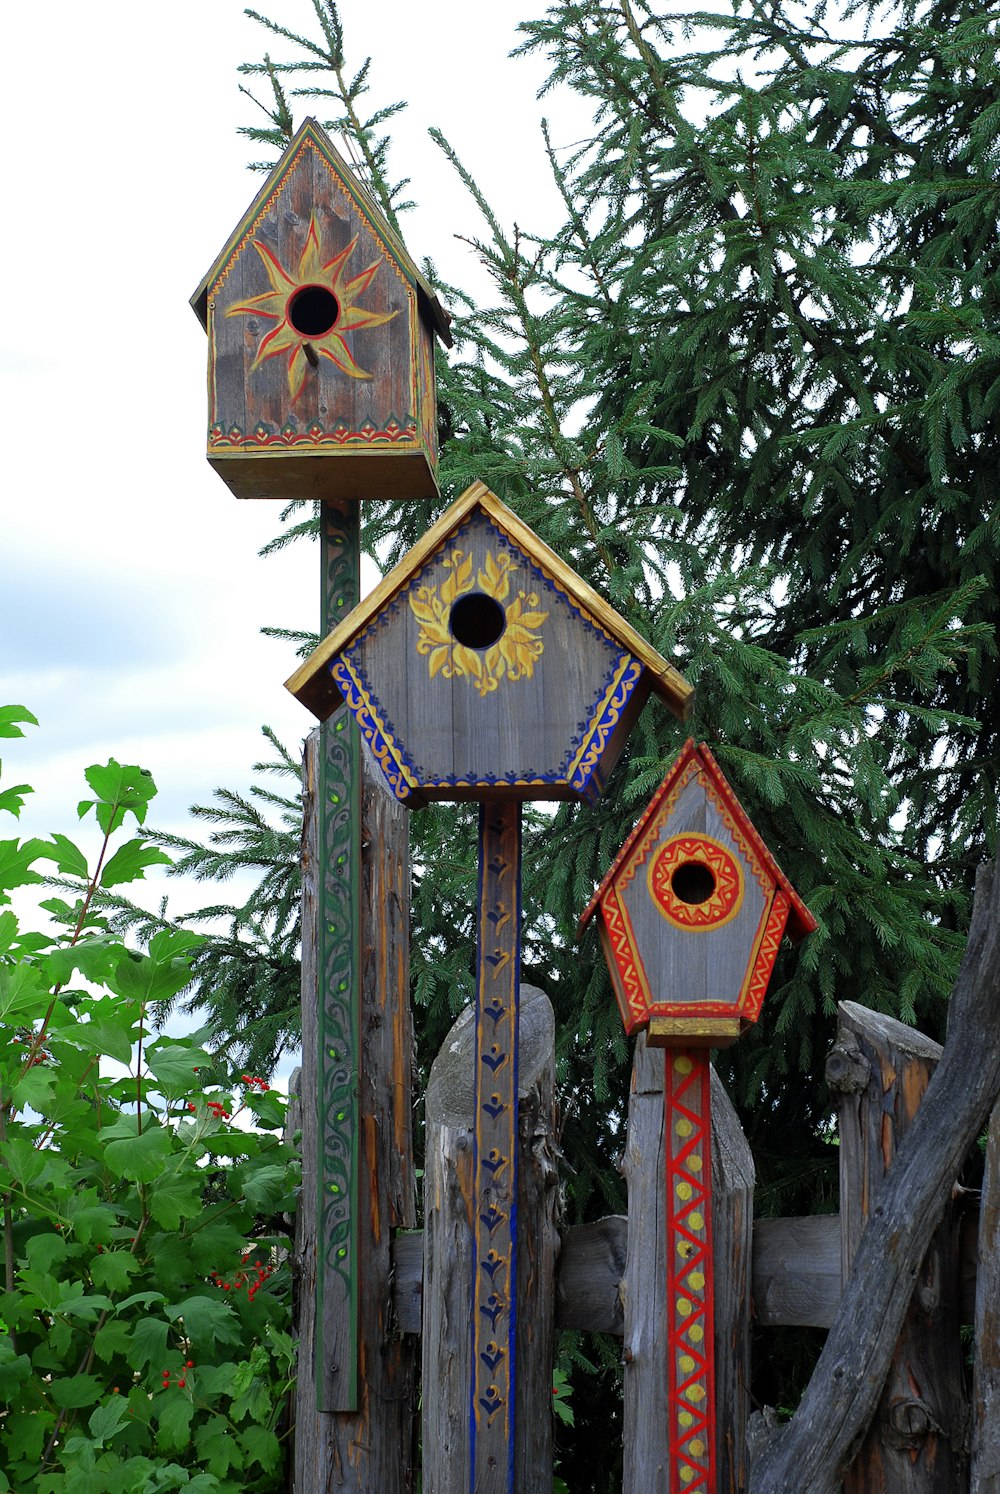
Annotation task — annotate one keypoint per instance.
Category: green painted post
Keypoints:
(338, 997)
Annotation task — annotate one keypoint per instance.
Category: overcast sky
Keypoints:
(131, 593)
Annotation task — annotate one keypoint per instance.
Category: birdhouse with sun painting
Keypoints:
(320, 342)
(693, 911)
(484, 667)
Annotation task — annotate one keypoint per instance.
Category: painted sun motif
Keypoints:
(312, 308)
(514, 649)
(695, 882)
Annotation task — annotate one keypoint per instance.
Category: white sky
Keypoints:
(130, 590)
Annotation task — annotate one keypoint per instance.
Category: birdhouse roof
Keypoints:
(800, 920)
(311, 135)
(313, 684)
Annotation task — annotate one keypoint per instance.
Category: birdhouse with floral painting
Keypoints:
(320, 342)
(483, 666)
(693, 911)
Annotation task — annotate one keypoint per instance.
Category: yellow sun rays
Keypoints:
(312, 309)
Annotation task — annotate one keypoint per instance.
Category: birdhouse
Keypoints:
(320, 342)
(483, 666)
(693, 911)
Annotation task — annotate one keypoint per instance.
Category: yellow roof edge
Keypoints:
(668, 682)
(437, 315)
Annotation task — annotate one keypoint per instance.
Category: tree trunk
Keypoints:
(985, 1472)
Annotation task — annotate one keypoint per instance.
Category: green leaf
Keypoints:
(172, 1065)
(145, 979)
(264, 1187)
(217, 1448)
(173, 1412)
(113, 1270)
(12, 799)
(149, 1338)
(14, 1370)
(45, 1250)
(177, 1196)
(17, 858)
(8, 930)
(262, 1447)
(207, 1321)
(72, 1392)
(129, 862)
(139, 1157)
(23, 1161)
(10, 716)
(114, 1339)
(68, 857)
(23, 993)
(120, 789)
(107, 1038)
(108, 1419)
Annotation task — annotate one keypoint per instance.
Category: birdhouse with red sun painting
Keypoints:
(320, 342)
(693, 911)
(484, 667)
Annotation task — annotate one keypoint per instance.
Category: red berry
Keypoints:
(181, 1383)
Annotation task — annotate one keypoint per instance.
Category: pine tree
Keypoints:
(749, 391)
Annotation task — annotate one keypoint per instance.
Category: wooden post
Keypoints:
(647, 1452)
(371, 1448)
(337, 995)
(914, 1445)
(985, 1471)
(452, 1274)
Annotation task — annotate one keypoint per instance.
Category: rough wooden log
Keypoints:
(814, 1450)
(589, 1276)
(914, 1443)
(448, 1255)
(796, 1271)
(984, 1476)
(370, 1448)
(645, 1346)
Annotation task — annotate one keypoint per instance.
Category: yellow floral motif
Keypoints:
(514, 653)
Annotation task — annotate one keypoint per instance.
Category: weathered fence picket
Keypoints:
(449, 1263)
(881, 1070)
(371, 1448)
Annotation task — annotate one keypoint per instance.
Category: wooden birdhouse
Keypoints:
(320, 342)
(482, 666)
(692, 912)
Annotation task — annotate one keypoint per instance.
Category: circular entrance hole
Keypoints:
(693, 882)
(313, 310)
(477, 621)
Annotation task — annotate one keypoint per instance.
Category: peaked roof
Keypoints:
(312, 684)
(431, 308)
(800, 920)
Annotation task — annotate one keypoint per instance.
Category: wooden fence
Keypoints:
(935, 1428)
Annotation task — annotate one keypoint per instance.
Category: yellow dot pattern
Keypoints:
(689, 1275)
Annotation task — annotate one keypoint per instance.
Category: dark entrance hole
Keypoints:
(313, 310)
(477, 621)
(693, 882)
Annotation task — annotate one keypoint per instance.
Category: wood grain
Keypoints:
(370, 1449)
(984, 1472)
(914, 1441)
(448, 1256)
(812, 1452)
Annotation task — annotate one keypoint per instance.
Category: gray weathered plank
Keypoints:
(448, 1254)
(370, 1448)
(914, 1443)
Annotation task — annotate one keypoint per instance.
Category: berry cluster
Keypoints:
(254, 1081)
(250, 1275)
(218, 1109)
(180, 1379)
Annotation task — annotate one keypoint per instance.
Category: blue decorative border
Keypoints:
(405, 775)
